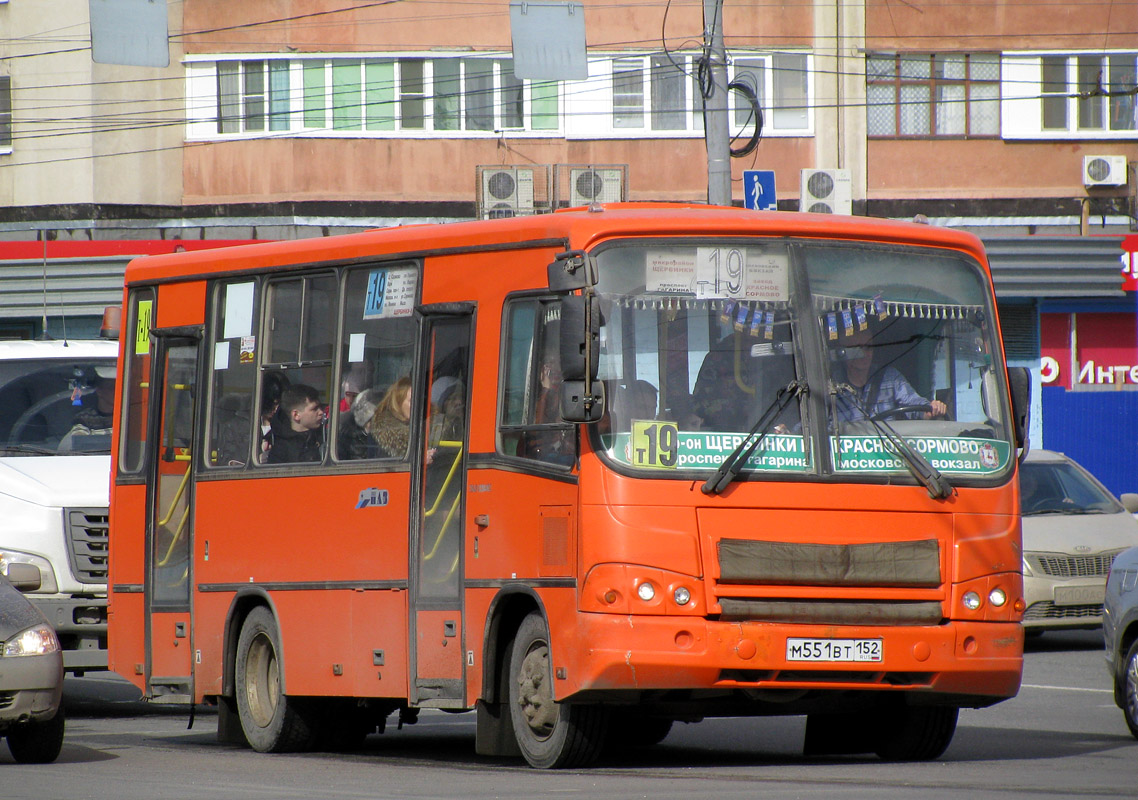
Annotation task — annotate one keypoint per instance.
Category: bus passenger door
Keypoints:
(439, 471)
(169, 529)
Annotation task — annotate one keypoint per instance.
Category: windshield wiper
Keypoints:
(929, 476)
(734, 462)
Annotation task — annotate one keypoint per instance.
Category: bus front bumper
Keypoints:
(673, 653)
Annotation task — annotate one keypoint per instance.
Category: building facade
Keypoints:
(281, 118)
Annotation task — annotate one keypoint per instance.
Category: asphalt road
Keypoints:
(1061, 737)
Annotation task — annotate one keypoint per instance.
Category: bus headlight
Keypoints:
(997, 597)
(646, 591)
(971, 600)
(682, 596)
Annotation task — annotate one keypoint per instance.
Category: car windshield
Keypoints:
(1062, 487)
(698, 339)
(56, 406)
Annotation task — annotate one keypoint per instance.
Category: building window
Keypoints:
(1089, 93)
(662, 92)
(252, 96)
(932, 94)
(381, 94)
(5, 112)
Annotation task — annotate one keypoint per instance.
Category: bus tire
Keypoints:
(38, 741)
(551, 735)
(629, 729)
(271, 721)
(919, 733)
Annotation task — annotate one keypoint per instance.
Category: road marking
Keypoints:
(1065, 688)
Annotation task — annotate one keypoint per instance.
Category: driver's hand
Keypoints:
(937, 409)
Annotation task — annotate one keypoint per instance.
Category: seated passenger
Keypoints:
(353, 441)
(718, 402)
(301, 438)
(391, 423)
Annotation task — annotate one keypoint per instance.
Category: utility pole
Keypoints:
(716, 132)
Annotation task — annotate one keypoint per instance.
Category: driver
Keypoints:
(878, 390)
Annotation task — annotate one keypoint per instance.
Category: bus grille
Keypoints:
(909, 571)
(1048, 610)
(1060, 566)
(87, 534)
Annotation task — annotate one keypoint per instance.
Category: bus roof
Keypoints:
(576, 228)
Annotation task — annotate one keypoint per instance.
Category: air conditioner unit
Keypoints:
(825, 191)
(506, 192)
(1104, 170)
(587, 186)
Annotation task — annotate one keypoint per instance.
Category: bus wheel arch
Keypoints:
(495, 731)
(550, 734)
(271, 721)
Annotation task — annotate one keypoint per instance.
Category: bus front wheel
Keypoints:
(271, 721)
(551, 735)
(919, 733)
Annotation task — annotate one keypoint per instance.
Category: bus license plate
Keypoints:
(853, 650)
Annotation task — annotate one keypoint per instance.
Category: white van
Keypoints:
(55, 444)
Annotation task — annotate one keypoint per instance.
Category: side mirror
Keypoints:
(1130, 501)
(580, 342)
(579, 405)
(25, 577)
(570, 271)
(1019, 384)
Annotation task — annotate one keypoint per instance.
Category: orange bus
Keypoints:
(587, 473)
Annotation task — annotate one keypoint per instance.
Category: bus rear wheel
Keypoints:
(551, 735)
(271, 721)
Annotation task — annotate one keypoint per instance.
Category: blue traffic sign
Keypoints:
(758, 189)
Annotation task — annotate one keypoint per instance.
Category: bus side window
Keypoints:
(531, 425)
(136, 392)
(299, 329)
(377, 349)
(233, 373)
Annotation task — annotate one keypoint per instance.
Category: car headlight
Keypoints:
(47, 574)
(39, 640)
(1027, 573)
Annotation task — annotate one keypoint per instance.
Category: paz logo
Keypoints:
(372, 497)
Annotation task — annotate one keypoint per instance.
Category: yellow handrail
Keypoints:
(450, 475)
(177, 537)
(177, 496)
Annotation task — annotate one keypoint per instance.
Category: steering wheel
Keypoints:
(892, 412)
(15, 435)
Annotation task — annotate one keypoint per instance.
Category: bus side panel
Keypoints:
(126, 644)
(180, 304)
(335, 569)
(531, 527)
(379, 659)
(210, 610)
(127, 614)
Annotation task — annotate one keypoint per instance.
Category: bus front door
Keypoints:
(169, 530)
(438, 635)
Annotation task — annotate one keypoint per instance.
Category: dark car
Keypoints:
(31, 671)
(1120, 631)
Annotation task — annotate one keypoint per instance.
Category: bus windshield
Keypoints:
(699, 341)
